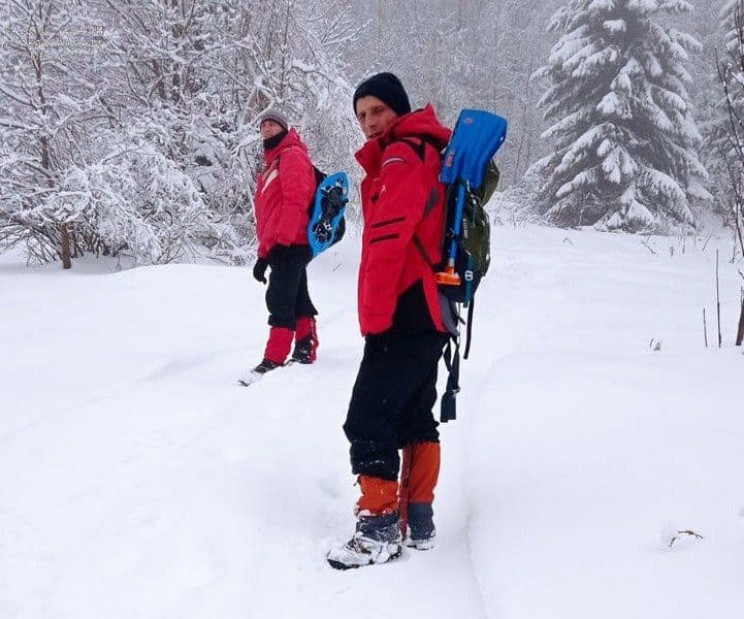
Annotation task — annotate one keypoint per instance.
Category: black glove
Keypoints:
(259, 270)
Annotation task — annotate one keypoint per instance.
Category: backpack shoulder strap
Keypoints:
(418, 144)
(469, 332)
(448, 411)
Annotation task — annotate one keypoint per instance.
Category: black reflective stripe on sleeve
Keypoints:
(387, 237)
(387, 222)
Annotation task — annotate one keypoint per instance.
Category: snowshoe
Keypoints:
(258, 372)
(376, 540)
(327, 224)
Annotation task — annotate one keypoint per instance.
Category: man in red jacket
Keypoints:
(284, 192)
(402, 320)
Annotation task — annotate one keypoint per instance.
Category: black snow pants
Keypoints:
(393, 399)
(287, 296)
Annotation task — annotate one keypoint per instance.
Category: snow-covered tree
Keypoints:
(624, 136)
(705, 94)
(729, 137)
(129, 126)
(79, 173)
(727, 21)
(47, 105)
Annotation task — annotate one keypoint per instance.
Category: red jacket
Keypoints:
(285, 189)
(402, 198)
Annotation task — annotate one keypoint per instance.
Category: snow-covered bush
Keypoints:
(515, 205)
(129, 127)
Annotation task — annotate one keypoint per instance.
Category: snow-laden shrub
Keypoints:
(138, 203)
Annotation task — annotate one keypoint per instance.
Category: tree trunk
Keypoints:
(64, 242)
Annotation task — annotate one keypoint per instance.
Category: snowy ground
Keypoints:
(139, 481)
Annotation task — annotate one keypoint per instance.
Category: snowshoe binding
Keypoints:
(377, 539)
(257, 373)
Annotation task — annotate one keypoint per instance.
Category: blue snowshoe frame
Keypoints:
(329, 209)
(477, 136)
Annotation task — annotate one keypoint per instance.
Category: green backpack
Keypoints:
(474, 241)
(471, 265)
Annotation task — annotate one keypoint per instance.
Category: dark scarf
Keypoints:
(272, 143)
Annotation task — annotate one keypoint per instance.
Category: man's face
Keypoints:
(269, 129)
(374, 116)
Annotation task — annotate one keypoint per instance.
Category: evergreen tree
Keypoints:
(707, 101)
(727, 19)
(625, 140)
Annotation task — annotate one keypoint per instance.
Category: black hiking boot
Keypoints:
(304, 351)
(266, 366)
(421, 526)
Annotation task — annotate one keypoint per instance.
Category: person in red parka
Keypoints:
(285, 190)
(404, 324)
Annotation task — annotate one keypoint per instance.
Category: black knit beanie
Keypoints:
(388, 89)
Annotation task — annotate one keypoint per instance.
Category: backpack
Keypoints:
(473, 257)
(320, 176)
(466, 243)
(473, 241)
(472, 236)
